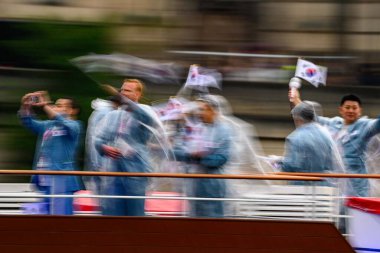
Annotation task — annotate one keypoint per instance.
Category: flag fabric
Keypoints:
(201, 78)
(308, 71)
(171, 110)
(128, 66)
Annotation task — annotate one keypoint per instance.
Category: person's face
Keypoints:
(129, 90)
(350, 111)
(206, 113)
(64, 106)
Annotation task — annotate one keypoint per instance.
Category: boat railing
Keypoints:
(280, 201)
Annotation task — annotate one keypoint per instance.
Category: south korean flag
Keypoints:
(308, 71)
(200, 78)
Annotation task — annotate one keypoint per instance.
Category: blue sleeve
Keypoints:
(181, 155)
(36, 126)
(141, 131)
(138, 113)
(291, 161)
(179, 148)
(220, 154)
(373, 128)
(324, 120)
(214, 160)
(217, 158)
(73, 127)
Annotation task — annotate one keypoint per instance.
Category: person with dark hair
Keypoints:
(350, 97)
(352, 133)
(309, 148)
(58, 140)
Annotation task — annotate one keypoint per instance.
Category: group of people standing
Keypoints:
(119, 139)
(338, 144)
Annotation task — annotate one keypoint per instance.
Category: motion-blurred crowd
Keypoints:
(192, 132)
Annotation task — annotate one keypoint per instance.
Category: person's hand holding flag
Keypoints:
(309, 72)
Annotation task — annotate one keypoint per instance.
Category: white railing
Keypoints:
(269, 202)
(309, 202)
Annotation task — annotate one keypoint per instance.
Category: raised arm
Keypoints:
(294, 97)
(373, 128)
(73, 127)
(26, 114)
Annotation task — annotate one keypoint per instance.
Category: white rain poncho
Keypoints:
(373, 164)
(93, 160)
(101, 108)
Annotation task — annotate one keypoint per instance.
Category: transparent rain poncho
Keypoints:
(326, 150)
(93, 160)
(181, 110)
(155, 152)
(247, 148)
(245, 155)
(373, 164)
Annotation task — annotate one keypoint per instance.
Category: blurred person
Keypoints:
(172, 116)
(309, 148)
(122, 139)
(245, 156)
(205, 148)
(56, 148)
(93, 161)
(373, 164)
(352, 134)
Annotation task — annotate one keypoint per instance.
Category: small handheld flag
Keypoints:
(201, 78)
(308, 71)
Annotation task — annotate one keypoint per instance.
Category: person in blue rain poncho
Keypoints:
(58, 140)
(122, 140)
(372, 163)
(352, 133)
(205, 149)
(309, 148)
(93, 160)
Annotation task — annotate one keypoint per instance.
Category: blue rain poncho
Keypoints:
(244, 157)
(309, 148)
(213, 140)
(126, 129)
(372, 164)
(353, 144)
(101, 108)
(93, 160)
